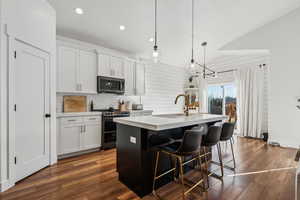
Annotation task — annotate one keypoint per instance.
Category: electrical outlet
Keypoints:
(133, 140)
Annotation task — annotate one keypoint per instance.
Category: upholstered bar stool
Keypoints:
(211, 139)
(178, 151)
(227, 135)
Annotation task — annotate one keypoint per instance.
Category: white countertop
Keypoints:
(168, 121)
(77, 114)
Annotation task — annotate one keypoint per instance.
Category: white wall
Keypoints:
(163, 84)
(33, 22)
(281, 37)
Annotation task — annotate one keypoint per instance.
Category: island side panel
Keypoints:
(129, 162)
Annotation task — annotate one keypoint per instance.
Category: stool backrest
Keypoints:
(213, 136)
(227, 130)
(191, 141)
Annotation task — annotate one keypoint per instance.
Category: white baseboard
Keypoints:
(5, 185)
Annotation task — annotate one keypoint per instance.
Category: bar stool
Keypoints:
(211, 139)
(227, 135)
(188, 147)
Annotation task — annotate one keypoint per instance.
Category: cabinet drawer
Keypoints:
(72, 120)
(92, 119)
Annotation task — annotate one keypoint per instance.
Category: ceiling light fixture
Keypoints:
(122, 27)
(155, 53)
(192, 60)
(79, 11)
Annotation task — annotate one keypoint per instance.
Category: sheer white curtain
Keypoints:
(250, 88)
(202, 94)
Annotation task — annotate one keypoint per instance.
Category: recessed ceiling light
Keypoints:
(151, 39)
(79, 11)
(122, 27)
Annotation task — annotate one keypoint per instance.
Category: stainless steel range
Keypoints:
(109, 127)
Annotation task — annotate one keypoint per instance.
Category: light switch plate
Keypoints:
(133, 140)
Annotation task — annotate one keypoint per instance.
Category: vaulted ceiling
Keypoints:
(216, 21)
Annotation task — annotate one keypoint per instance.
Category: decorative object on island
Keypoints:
(74, 104)
(155, 53)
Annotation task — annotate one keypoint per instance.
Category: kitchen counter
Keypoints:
(77, 114)
(136, 140)
(168, 121)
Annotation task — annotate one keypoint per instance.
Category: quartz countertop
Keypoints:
(169, 121)
(77, 114)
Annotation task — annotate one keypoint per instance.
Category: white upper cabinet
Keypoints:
(130, 77)
(140, 79)
(76, 70)
(104, 65)
(117, 67)
(111, 66)
(67, 68)
(88, 71)
(134, 78)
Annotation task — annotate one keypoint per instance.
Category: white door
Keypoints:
(67, 67)
(32, 105)
(129, 78)
(104, 65)
(140, 79)
(91, 136)
(117, 67)
(88, 71)
(69, 138)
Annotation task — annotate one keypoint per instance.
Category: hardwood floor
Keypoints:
(94, 176)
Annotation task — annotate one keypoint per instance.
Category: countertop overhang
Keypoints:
(164, 122)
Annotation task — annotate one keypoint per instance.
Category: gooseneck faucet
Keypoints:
(186, 103)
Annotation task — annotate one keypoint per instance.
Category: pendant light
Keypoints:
(155, 53)
(192, 60)
(204, 44)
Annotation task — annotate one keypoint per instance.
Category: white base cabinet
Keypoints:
(75, 134)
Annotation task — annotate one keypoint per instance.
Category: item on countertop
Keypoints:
(74, 104)
(137, 106)
(122, 106)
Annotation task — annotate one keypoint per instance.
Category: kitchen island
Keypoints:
(135, 155)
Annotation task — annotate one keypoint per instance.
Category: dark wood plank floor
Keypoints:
(94, 176)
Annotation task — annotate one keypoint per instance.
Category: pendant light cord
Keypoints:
(155, 22)
(193, 2)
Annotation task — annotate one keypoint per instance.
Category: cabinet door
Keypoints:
(104, 65)
(67, 67)
(129, 78)
(140, 79)
(69, 139)
(91, 136)
(88, 71)
(117, 67)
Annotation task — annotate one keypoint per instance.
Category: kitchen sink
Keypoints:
(176, 115)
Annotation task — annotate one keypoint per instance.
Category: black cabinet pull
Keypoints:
(47, 115)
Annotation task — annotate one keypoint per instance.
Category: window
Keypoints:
(222, 100)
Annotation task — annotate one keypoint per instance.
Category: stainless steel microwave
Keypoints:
(110, 85)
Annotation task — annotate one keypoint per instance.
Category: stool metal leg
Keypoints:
(233, 157)
(155, 173)
(181, 176)
(206, 166)
(220, 159)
